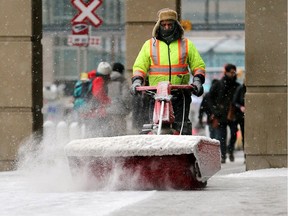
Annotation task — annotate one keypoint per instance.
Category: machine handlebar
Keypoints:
(192, 88)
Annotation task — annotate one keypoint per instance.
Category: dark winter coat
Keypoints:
(205, 108)
(221, 94)
(238, 101)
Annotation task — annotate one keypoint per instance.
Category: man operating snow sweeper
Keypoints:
(158, 160)
(168, 56)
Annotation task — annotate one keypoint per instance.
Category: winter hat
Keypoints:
(104, 68)
(84, 76)
(118, 67)
(166, 14)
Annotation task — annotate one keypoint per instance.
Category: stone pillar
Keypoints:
(266, 81)
(141, 16)
(20, 75)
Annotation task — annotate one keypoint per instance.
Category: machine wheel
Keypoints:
(197, 175)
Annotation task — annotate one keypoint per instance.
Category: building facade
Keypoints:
(217, 31)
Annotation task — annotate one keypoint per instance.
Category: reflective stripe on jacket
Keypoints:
(158, 61)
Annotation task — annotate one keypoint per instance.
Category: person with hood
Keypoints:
(221, 96)
(120, 107)
(168, 56)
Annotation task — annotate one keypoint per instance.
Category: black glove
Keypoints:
(198, 88)
(136, 83)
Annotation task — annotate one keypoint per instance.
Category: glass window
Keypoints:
(213, 11)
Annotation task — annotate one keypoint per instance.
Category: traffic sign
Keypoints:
(84, 40)
(80, 28)
(95, 41)
(78, 40)
(86, 12)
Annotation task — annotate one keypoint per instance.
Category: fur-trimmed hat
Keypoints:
(167, 14)
(104, 68)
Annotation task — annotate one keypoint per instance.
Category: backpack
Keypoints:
(82, 93)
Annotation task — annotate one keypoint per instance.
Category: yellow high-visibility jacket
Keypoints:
(157, 60)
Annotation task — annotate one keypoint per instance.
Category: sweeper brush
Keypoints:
(145, 162)
(159, 160)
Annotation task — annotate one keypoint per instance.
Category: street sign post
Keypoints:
(82, 40)
(80, 34)
(78, 40)
(86, 12)
(80, 28)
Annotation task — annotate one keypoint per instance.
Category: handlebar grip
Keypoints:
(191, 88)
(146, 88)
(194, 89)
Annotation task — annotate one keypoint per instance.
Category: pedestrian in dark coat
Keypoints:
(239, 104)
(222, 110)
(205, 109)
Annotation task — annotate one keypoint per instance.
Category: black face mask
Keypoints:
(166, 32)
(169, 35)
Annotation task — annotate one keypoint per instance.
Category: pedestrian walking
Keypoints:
(239, 104)
(95, 117)
(81, 96)
(121, 101)
(205, 109)
(222, 110)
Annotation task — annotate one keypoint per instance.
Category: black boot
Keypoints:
(231, 157)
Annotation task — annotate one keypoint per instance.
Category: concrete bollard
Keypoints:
(74, 131)
(62, 133)
(83, 131)
(49, 131)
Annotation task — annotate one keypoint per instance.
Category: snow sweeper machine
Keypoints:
(160, 159)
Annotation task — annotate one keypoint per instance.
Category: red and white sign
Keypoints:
(86, 12)
(95, 41)
(78, 40)
(80, 28)
(84, 40)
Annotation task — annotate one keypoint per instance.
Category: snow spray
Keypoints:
(43, 161)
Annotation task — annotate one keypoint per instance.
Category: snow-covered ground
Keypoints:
(43, 186)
